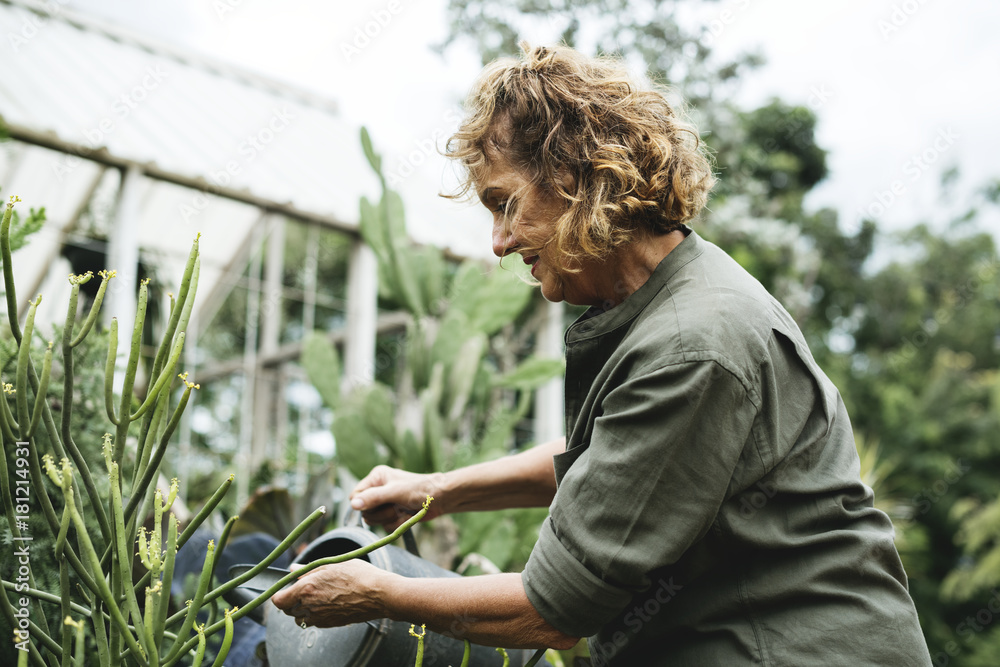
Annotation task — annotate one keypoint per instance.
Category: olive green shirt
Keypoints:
(709, 508)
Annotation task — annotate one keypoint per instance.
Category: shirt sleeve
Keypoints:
(646, 486)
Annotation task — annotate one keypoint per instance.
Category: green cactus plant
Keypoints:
(124, 613)
(459, 393)
(443, 411)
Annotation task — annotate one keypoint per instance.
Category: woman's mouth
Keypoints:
(531, 260)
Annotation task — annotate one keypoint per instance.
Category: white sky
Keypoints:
(892, 90)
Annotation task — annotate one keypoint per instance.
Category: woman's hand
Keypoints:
(388, 497)
(335, 595)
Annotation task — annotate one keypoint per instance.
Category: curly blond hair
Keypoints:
(621, 159)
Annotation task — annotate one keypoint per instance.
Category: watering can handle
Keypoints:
(409, 541)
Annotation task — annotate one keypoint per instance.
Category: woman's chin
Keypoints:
(552, 290)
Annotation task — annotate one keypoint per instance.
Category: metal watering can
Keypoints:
(381, 643)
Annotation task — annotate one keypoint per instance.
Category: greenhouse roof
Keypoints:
(213, 145)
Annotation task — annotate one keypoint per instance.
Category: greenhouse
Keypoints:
(162, 145)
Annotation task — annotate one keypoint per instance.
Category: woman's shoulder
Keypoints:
(711, 309)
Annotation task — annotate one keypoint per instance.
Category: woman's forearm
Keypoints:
(526, 479)
(491, 609)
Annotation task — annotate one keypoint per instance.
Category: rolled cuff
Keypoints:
(571, 598)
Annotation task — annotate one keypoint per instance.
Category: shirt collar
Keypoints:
(597, 321)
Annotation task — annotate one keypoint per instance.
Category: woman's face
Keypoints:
(527, 230)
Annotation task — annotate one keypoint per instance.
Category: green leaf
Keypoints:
(395, 219)
(374, 159)
(356, 448)
(531, 374)
(410, 454)
(322, 366)
(499, 543)
(453, 331)
(463, 374)
(489, 300)
(378, 407)
(371, 228)
(497, 433)
(433, 426)
(430, 265)
(400, 255)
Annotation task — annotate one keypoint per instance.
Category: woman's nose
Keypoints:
(503, 238)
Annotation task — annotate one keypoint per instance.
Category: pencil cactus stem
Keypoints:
(109, 372)
(79, 642)
(161, 605)
(227, 639)
(270, 558)
(131, 368)
(162, 380)
(466, 654)
(146, 440)
(148, 627)
(74, 296)
(122, 545)
(224, 537)
(8, 269)
(199, 655)
(171, 494)
(95, 308)
(194, 605)
(288, 578)
(506, 658)
(7, 423)
(144, 549)
(177, 307)
(281, 583)
(103, 591)
(43, 387)
(420, 643)
(63, 532)
(185, 317)
(21, 381)
(157, 457)
(64, 608)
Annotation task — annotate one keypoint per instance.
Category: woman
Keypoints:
(705, 508)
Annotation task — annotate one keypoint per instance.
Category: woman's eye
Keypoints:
(502, 208)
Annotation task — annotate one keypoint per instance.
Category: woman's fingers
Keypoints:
(377, 477)
(388, 497)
